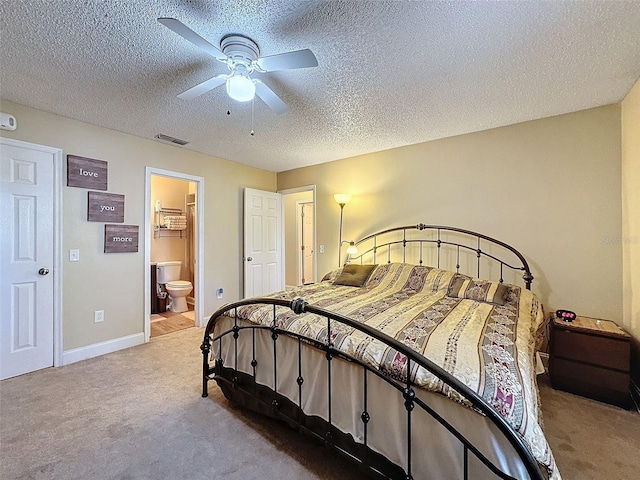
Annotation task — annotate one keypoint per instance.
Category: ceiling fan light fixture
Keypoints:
(241, 88)
(242, 57)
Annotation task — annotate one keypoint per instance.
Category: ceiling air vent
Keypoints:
(167, 138)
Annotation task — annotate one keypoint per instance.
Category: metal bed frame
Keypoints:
(376, 241)
(243, 388)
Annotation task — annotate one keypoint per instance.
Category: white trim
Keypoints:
(299, 259)
(305, 188)
(58, 339)
(102, 348)
(283, 237)
(299, 241)
(199, 254)
(635, 395)
(544, 359)
(57, 239)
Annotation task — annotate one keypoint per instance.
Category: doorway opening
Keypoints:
(299, 235)
(173, 252)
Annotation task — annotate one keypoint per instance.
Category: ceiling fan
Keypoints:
(242, 57)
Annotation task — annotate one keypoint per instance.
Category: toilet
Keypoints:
(169, 276)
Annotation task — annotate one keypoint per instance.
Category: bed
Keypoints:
(416, 359)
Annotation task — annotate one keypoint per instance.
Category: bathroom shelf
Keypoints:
(160, 229)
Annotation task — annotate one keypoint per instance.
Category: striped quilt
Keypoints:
(488, 346)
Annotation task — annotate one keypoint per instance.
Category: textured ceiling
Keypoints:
(390, 73)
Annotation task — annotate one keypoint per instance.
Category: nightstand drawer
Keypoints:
(596, 350)
(598, 383)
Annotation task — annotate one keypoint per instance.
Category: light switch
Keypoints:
(74, 255)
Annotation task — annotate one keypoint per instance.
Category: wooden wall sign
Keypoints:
(86, 173)
(105, 207)
(120, 238)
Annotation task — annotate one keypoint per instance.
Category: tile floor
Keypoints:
(169, 322)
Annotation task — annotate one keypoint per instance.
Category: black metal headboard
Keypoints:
(414, 244)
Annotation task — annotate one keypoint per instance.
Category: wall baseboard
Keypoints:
(635, 395)
(545, 360)
(102, 348)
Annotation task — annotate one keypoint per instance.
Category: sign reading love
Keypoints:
(86, 173)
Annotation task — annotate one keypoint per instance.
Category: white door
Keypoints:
(26, 259)
(263, 232)
(306, 242)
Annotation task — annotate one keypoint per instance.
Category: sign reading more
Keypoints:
(105, 207)
(86, 173)
(120, 238)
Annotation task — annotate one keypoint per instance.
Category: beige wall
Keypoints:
(549, 187)
(523, 183)
(115, 282)
(631, 217)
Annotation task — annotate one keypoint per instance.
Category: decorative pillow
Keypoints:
(331, 276)
(479, 290)
(354, 275)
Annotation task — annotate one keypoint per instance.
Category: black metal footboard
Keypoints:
(238, 384)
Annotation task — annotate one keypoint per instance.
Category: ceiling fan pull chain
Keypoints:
(253, 101)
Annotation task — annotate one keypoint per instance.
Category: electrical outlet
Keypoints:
(74, 255)
(321, 248)
(98, 316)
(219, 293)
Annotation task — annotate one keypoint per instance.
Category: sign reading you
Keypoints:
(120, 238)
(105, 207)
(86, 173)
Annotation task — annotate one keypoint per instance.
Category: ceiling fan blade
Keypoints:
(188, 34)
(272, 100)
(204, 87)
(287, 61)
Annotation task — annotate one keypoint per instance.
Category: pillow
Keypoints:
(354, 275)
(479, 290)
(331, 276)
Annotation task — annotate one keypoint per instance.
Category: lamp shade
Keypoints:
(352, 249)
(342, 198)
(241, 88)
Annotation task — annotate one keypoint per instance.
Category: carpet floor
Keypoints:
(138, 414)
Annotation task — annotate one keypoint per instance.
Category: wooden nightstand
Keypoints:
(591, 357)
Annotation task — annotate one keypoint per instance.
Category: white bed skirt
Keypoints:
(436, 453)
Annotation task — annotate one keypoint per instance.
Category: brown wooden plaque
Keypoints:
(86, 173)
(105, 207)
(120, 238)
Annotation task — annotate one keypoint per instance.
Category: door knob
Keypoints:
(43, 271)
(249, 259)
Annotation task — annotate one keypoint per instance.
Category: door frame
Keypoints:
(199, 240)
(288, 191)
(300, 239)
(57, 239)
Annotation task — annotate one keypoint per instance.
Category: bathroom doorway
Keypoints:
(173, 265)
